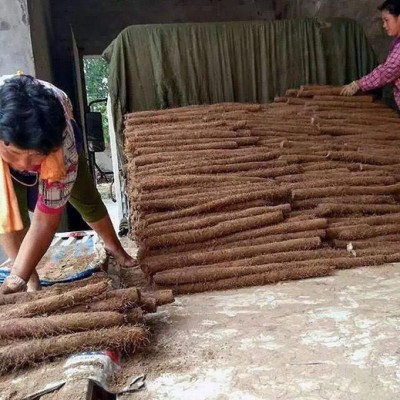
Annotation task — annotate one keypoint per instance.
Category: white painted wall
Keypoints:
(15, 38)
(15, 43)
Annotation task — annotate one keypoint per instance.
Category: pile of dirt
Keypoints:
(230, 195)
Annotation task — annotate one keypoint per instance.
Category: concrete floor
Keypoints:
(328, 338)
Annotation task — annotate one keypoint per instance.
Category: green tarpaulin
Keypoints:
(159, 66)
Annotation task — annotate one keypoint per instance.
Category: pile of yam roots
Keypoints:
(69, 318)
(231, 195)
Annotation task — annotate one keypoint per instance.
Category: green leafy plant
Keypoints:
(96, 80)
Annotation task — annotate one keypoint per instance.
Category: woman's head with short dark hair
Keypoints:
(391, 6)
(31, 116)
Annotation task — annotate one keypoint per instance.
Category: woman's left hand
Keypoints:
(351, 89)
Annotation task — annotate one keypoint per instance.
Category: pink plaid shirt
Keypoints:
(388, 72)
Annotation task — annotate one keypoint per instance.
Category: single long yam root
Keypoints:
(159, 263)
(16, 356)
(55, 303)
(271, 194)
(39, 327)
(119, 300)
(259, 264)
(201, 222)
(309, 271)
(221, 229)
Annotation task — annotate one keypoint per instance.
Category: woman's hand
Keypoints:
(13, 284)
(35, 244)
(351, 89)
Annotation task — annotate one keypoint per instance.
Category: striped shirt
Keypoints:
(52, 197)
(388, 72)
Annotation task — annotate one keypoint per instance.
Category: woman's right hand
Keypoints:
(13, 284)
(351, 89)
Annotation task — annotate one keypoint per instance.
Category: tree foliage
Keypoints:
(96, 80)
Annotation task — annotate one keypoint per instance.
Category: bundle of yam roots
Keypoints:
(231, 195)
(69, 318)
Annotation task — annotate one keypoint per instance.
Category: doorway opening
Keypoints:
(95, 70)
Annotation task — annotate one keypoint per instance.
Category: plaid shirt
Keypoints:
(388, 72)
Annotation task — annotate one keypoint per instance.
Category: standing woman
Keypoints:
(41, 169)
(389, 71)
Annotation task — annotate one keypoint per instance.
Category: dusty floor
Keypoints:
(328, 338)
